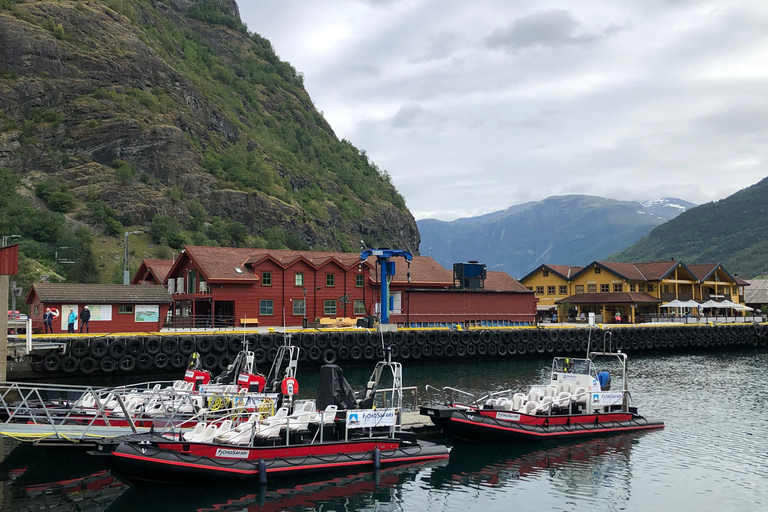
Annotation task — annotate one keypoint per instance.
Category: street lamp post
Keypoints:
(304, 320)
(126, 272)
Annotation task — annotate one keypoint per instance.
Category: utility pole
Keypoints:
(126, 271)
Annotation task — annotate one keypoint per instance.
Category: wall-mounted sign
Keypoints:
(368, 418)
(146, 313)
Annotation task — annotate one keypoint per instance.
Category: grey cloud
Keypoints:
(408, 115)
(549, 28)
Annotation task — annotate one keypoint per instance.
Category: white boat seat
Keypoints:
(564, 388)
(551, 390)
(300, 422)
(207, 436)
(198, 430)
(270, 431)
(279, 417)
(563, 400)
(327, 416)
(535, 395)
(545, 406)
(530, 407)
(505, 404)
(518, 401)
(580, 396)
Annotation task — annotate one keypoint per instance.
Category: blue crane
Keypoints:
(387, 269)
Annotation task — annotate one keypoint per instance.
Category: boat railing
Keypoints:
(388, 398)
(447, 394)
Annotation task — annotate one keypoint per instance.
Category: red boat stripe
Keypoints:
(528, 432)
(275, 470)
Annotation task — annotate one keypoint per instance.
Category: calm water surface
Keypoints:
(713, 455)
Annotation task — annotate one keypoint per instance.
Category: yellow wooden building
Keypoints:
(629, 291)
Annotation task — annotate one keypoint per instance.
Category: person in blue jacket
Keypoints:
(71, 321)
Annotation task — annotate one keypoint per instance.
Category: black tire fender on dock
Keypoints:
(405, 352)
(260, 356)
(224, 361)
(134, 346)
(482, 349)
(78, 348)
(234, 344)
(438, 351)
(454, 338)
(503, 350)
(415, 353)
(266, 342)
(144, 361)
(178, 360)
(186, 345)
(127, 363)
(117, 349)
(220, 344)
(329, 356)
(87, 365)
(152, 345)
(52, 362)
(169, 345)
(271, 353)
(69, 364)
(427, 351)
(335, 340)
(493, 349)
(450, 351)
(107, 364)
(321, 341)
(369, 353)
(315, 353)
(161, 361)
(343, 352)
(98, 348)
(210, 362)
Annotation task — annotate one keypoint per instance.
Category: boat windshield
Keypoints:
(573, 365)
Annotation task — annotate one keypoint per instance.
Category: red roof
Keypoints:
(501, 281)
(158, 269)
(609, 298)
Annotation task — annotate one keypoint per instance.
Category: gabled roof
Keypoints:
(564, 271)
(610, 298)
(74, 293)
(234, 264)
(703, 271)
(157, 269)
(501, 281)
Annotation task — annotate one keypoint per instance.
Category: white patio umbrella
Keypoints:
(674, 304)
(711, 304)
(690, 304)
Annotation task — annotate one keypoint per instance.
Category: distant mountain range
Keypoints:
(568, 230)
(732, 231)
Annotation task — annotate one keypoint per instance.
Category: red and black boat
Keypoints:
(345, 431)
(576, 402)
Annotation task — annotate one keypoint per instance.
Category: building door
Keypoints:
(224, 313)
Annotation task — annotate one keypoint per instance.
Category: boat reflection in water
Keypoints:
(33, 478)
(594, 469)
(370, 490)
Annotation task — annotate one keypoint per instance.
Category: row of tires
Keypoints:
(128, 354)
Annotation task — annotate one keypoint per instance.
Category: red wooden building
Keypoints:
(114, 307)
(222, 286)
(152, 272)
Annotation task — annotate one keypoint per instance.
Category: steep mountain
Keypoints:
(169, 116)
(732, 231)
(569, 230)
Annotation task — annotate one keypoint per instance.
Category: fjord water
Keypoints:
(713, 455)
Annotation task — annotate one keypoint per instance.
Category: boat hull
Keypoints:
(480, 427)
(163, 462)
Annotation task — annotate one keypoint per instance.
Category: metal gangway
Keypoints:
(53, 414)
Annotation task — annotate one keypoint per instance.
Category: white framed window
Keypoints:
(299, 307)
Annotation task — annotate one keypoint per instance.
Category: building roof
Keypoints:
(501, 281)
(230, 263)
(565, 270)
(157, 269)
(610, 298)
(75, 293)
(757, 293)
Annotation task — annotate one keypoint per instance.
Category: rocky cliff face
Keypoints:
(200, 110)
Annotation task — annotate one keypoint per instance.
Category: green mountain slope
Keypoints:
(171, 117)
(733, 231)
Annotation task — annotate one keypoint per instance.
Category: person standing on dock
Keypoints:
(85, 317)
(71, 321)
(48, 321)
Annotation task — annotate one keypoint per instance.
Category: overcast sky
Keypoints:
(473, 106)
